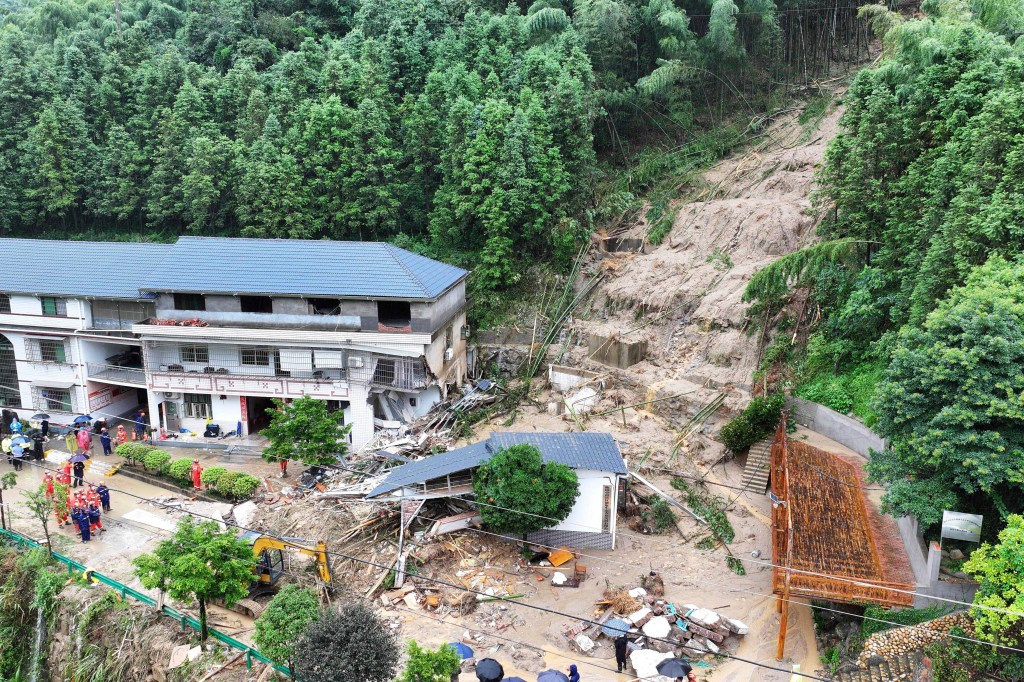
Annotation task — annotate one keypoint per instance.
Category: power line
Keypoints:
(454, 586)
(853, 581)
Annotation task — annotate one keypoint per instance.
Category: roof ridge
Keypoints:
(390, 248)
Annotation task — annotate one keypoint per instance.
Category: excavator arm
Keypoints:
(316, 550)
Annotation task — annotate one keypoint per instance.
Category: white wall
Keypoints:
(39, 371)
(226, 414)
(588, 512)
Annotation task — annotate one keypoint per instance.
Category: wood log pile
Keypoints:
(889, 643)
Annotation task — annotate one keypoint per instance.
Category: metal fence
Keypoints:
(251, 654)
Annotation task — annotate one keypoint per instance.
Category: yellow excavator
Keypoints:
(269, 552)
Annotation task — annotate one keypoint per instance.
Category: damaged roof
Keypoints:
(594, 451)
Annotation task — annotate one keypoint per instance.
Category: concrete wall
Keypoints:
(615, 353)
(289, 306)
(838, 427)
(222, 304)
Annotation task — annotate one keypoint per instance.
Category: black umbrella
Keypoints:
(78, 458)
(41, 415)
(489, 670)
(674, 667)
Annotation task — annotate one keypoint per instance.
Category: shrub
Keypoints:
(430, 665)
(754, 423)
(287, 616)
(349, 644)
(180, 469)
(226, 483)
(660, 514)
(244, 486)
(131, 451)
(156, 460)
(211, 475)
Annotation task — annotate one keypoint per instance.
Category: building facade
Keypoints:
(218, 328)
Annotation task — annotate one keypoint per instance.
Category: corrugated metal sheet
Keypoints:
(595, 451)
(78, 269)
(301, 267)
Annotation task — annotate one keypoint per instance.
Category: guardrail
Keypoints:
(129, 375)
(251, 654)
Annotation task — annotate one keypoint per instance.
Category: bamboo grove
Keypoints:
(467, 129)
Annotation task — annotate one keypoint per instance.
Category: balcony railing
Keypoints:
(124, 375)
(400, 373)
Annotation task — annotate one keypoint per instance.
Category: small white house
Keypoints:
(594, 457)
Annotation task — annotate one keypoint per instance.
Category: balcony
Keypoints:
(175, 378)
(404, 374)
(132, 376)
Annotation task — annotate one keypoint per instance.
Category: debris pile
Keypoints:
(653, 623)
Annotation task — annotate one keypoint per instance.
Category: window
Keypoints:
(394, 313)
(256, 356)
(449, 336)
(5, 303)
(324, 306)
(189, 302)
(120, 314)
(199, 354)
(256, 304)
(45, 350)
(52, 351)
(55, 399)
(10, 394)
(57, 307)
(198, 406)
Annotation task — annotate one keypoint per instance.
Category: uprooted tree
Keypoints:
(199, 562)
(306, 431)
(519, 493)
(348, 644)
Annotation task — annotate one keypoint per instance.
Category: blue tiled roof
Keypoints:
(300, 267)
(595, 451)
(77, 269)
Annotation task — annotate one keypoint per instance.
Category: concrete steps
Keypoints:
(758, 469)
(898, 668)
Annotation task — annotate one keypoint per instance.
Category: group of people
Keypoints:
(83, 509)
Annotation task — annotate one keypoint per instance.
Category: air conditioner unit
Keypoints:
(449, 353)
(171, 396)
(355, 361)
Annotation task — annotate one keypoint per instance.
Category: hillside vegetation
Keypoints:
(473, 130)
(918, 287)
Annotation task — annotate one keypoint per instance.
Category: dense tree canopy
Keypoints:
(520, 493)
(461, 129)
(950, 403)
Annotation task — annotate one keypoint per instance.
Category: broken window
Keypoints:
(324, 306)
(189, 302)
(256, 304)
(394, 313)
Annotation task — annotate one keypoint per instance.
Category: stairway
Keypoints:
(97, 466)
(898, 668)
(759, 460)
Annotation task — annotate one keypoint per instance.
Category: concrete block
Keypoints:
(616, 353)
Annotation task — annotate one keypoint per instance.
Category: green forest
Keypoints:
(919, 279)
(474, 130)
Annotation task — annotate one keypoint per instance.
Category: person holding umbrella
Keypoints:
(85, 440)
(677, 668)
(489, 670)
(78, 467)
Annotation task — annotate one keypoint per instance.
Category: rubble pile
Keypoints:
(657, 626)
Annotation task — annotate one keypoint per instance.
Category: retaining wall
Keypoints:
(838, 427)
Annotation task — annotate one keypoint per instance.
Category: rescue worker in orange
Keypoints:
(122, 434)
(197, 475)
(48, 482)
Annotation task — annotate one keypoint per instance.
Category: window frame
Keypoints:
(42, 401)
(194, 349)
(205, 401)
(249, 356)
(57, 350)
(188, 301)
(60, 306)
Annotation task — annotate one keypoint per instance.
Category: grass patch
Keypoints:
(897, 618)
(848, 392)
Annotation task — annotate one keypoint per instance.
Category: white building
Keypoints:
(66, 311)
(594, 457)
(211, 329)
